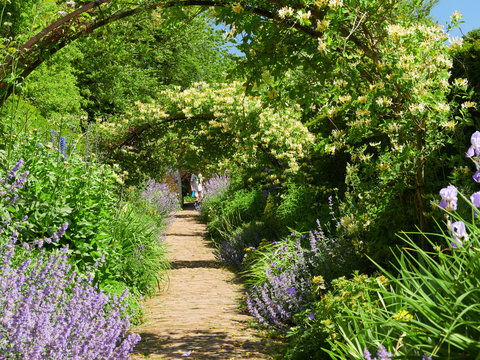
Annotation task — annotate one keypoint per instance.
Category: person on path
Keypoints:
(196, 186)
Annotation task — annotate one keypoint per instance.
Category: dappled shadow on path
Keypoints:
(194, 234)
(204, 344)
(193, 264)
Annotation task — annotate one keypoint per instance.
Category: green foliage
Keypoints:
(137, 258)
(129, 62)
(236, 208)
(64, 188)
(431, 307)
(53, 88)
(299, 208)
(310, 336)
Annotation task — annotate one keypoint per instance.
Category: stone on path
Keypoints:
(197, 315)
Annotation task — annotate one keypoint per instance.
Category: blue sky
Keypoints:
(470, 9)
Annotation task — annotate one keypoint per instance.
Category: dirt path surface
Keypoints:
(197, 316)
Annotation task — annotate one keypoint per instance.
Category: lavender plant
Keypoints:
(288, 269)
(160, 200)
(216, 187)
(47, 310)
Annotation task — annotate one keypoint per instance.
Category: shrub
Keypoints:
(299, 208)
(233, 249)
(292, 265)
(138, 259)
(240, 207)
(159, 200)
(64, 186)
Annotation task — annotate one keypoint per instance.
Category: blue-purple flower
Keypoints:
(475, 199)
(459, 233)
(474, 150)
(476, 176)
(449, 198)
(382, 354)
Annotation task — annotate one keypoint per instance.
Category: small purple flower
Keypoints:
(475, 148)
(62, 12)
(367, 355)
(426, 357)
(311, 316)
(476, 176)
(449, 198)
(459, 233)
(291, 291)
(383, 354)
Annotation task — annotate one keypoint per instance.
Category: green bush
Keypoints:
(299, 208)
(319, 323)
(138, 257)
(63, 186)
(237, 208)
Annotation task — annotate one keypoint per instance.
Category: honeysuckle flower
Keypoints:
(475, 148)
(449, 198)
(459, 233)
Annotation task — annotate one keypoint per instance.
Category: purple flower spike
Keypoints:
(475, 148)
(459, 233)
(449, 198)
(383, 354)
(367, 355)
(291, 291)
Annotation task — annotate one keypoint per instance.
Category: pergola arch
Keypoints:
(60, 33)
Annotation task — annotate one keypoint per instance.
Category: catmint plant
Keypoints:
(161, 199)
(48, 310)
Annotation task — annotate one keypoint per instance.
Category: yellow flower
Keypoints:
(402, 315)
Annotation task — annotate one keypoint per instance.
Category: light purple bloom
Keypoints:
(459, 233)
(475, 148)
(475, 199)
(426, 357)
(383, 354)
(476, 176)
(311, 316)
(449, 198)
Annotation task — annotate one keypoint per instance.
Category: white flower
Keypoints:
(285, 12)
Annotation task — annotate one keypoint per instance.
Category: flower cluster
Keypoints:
(47, 310)
(161, 198)
(291, 274)
(383, 354)
(216, 186)
(458, 229)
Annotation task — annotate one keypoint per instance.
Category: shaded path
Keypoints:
(198, 311)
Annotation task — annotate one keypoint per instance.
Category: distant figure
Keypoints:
(196, 185)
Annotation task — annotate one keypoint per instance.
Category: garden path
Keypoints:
(198, 311)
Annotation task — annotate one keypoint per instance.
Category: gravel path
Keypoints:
(197, 315)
